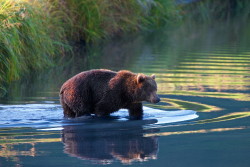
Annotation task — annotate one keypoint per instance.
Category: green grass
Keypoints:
(28, 38)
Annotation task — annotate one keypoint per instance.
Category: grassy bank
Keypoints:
(33, 33)
(29, 37)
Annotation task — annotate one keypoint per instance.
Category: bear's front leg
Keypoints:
(135, 111)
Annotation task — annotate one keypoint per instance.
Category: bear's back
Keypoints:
(93, 79)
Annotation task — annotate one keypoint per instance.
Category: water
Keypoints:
(203, 76)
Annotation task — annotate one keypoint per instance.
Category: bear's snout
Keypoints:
(156, 99)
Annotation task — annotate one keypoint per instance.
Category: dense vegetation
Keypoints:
(32, 33)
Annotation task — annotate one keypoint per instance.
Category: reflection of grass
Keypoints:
(237, 96)
(209, 75)
(184, 105)
(229, 56)
(24, 134)
(224, 64)
(29, 141)
(23, 137)
(227, 117)
(205, 70)
(13, 129)
(194, 105)
(206, 63)
(193, 131)
(9, 149)
(12, 137)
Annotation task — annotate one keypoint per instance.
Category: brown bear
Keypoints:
(102, 92)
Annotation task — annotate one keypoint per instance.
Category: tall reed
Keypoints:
(29, 37)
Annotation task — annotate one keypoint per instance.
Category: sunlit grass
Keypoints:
(28, 37)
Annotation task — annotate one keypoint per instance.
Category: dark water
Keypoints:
(203, 75)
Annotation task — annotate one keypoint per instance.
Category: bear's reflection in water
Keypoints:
(103, 143)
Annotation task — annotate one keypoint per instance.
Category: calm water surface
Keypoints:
(203, 76)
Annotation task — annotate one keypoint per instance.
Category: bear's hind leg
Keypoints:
(67, 112)
(76, 108)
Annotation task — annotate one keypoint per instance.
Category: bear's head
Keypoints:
(147, 88)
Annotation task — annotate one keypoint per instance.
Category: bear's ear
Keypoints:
(140, 78)
(153, 76)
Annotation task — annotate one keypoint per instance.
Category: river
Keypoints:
(203, 76)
